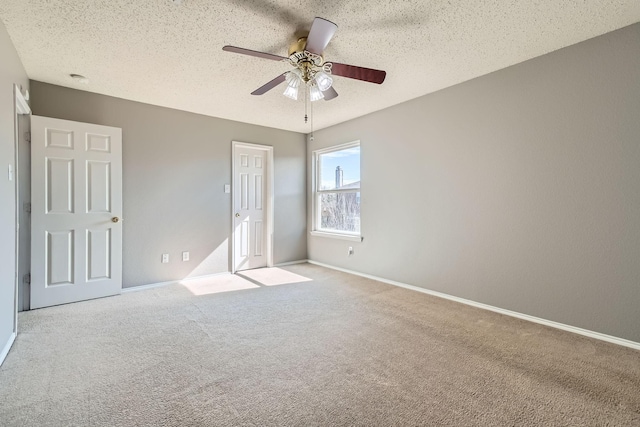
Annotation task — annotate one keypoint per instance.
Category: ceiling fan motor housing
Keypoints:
(307, 62)
(298, 46)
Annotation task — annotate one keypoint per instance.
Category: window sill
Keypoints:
(351, 237)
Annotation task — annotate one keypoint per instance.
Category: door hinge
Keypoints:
(27, 136)
(26, 279)
(26, 207)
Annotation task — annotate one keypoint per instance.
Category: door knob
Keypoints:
(237, 214)
(115, 219)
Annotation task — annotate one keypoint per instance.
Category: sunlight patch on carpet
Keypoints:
(274, 276)
(217, 284)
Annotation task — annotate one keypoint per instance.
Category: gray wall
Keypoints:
(519, 189)
(11, 72)
(175, 165)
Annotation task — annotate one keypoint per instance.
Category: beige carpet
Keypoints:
(306, 346)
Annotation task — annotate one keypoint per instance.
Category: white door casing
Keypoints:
(252, 206)
(9, 300)
(76, 211)
(23, 174)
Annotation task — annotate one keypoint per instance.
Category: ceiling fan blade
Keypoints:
(253, 53)
(268, 86)
(329, 94)
(320, 35)
(358, 73)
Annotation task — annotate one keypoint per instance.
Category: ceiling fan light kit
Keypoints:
(291, 92)
(315, 94)
(310, 68)
(323, 80)
(293, 79)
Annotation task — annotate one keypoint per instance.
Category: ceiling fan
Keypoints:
(311, 71)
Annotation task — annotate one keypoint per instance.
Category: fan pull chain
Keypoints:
(311, 113)
(305, 104)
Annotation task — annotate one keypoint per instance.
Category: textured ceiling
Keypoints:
(169, 53)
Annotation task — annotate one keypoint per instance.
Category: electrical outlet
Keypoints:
(185, 256)
(165, 258)
(350, 250)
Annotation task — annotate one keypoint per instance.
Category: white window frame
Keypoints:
(316, 231)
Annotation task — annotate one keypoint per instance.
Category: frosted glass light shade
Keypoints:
(315, 94)
(323, 80)
(293, 78)
(291, 92)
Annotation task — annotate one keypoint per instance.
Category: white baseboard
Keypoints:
(7, 347)
(551, 323)
(171, 282)
(282, 264)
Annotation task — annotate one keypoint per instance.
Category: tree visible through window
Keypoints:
(337, 195)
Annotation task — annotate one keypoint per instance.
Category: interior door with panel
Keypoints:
(76, 209)
(251, 206)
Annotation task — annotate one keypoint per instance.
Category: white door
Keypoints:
(251, 205)
(76, 209)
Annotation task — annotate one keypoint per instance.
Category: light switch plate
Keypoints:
(227, 188)
(185, 256)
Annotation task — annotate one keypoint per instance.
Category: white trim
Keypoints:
(315, 178)
(341, 236)
(585, 332)
(269, 197)
(338, 147)
(283, 264)
(170, 282)
(21, 104)
(7, 347)
(20, 108)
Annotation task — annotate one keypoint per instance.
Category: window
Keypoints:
(337, 191)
